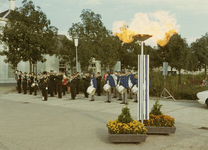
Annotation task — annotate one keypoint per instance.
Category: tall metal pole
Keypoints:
(76, 44)
(76, 60)
(142, 82)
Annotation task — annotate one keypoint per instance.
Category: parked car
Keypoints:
(203, 97)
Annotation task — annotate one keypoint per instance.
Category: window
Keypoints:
(61, 64)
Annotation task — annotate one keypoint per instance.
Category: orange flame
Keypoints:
(165, 40)
(126, 35)
(161, 25)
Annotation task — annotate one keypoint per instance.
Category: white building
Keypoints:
(52, 63)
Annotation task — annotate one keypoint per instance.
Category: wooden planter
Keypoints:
(160, 130)
(127, 138)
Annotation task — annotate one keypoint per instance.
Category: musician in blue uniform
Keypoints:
(124, 83)
(116, 79)
(109, 80)
(93, 83)
(130, 82)
(119, 94)
(135, 84)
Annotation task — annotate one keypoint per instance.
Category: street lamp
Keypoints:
(76, 44)
(141, 70)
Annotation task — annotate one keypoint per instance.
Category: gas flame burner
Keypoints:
(142, 37)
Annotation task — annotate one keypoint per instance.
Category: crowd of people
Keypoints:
(52, 83)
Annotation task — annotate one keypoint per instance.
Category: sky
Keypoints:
(191, 15)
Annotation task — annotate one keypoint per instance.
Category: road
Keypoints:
(27, 123)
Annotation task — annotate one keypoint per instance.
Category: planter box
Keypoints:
(160, 130)
(127, 138)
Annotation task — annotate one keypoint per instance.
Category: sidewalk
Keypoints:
(85, 122)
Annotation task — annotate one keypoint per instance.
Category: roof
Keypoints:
(5, 14)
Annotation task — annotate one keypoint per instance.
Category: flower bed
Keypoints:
(134, 127)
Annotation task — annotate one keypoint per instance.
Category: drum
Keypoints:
(33, 85)
(106, 87)
(121, 89)
(91, 90)
(134, 90)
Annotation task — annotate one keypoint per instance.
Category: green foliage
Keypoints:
(200, 50)
(28, 35)
(95, 41)
(191, 85)
(156, 108)
(125, 116)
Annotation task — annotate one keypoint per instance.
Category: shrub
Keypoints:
(157, 119)
(125, 124)
(125, 116)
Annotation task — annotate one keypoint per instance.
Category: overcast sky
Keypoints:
(191, 15)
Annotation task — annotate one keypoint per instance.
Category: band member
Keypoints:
(59, 84)
(64, 82)
(124, 83)
(40, 82)
(24, 84)
(73, 86)
(110, 81)
(19, 81)
(55, 83)
(68, 83)
(51, 84)
(86, 80)
(116, 79)
(35, 84)
(98, 79)
(45, 86)
(30, 82)
(130, 82)
(135, 84)
(119, 94)
(93, 83)
(77, 82)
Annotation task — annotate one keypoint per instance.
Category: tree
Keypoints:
(200, 49)
(92, 33)
(178, 54)
(28, 35)
(66, 51)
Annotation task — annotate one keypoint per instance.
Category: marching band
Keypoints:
(52, 84)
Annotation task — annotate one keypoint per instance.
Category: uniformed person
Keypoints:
(19, 81)
(86, 80)
(30, 82)
(55, 83)
(98, 79)
(77, 82)
(24, 83)
(135, 84)
(68, 83)
(51, 84)
(45, 86)
(116, 79)
(59, 84)
(35, 84)
(64, 83)
(93, 83)
(111, 82)
(73, 86)
(119, 94)
(130, 83)
(124, 83)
